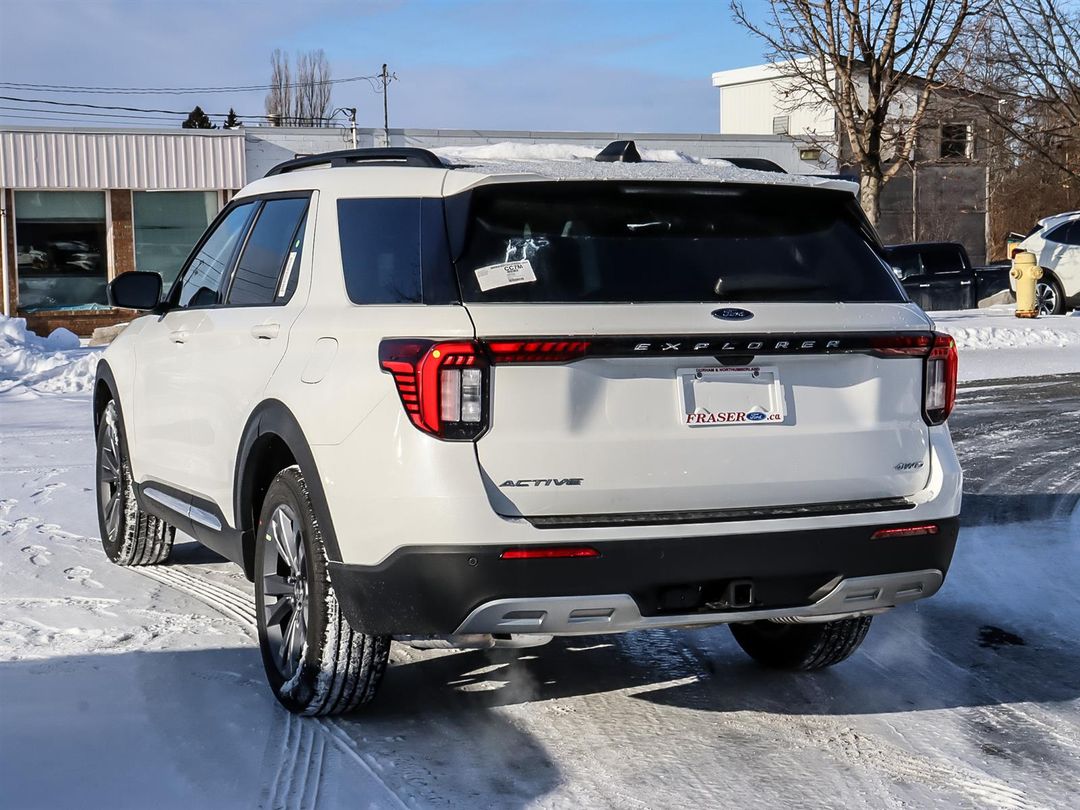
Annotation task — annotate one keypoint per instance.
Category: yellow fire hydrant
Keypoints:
(1027, 274)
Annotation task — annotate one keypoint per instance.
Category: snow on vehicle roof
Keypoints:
(574, 162)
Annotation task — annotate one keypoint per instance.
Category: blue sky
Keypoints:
(524, 64)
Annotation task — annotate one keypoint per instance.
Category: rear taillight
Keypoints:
(536, 351)
(442, 385)
(939, 393)
(939, 370)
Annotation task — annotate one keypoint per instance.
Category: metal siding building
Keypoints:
(80, 206)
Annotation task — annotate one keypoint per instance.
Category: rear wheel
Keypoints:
(129, 535)
(801, 646)
(315, 662)
(1048, 296)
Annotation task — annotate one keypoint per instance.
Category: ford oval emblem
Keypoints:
(732, 314)
(755, 416)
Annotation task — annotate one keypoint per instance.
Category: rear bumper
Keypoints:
(808, 574)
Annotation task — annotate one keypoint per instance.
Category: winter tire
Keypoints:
(801, 646)
(315, 662)
(1049, 298)
(129, 535)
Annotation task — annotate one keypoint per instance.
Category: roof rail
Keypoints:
(373, 156)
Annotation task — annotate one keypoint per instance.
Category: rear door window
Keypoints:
(271, 249)
(624, 242)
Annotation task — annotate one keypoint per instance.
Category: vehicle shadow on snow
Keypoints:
(204, 723)
(985, 508)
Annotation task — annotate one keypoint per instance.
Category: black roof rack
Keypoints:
(372, 156)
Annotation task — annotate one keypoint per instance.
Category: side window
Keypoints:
(202, 278)
(1066, 234)
(945, 259)
(380, 250)
(273, 243)
(907, 262)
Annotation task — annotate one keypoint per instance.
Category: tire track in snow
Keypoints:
(302, 759)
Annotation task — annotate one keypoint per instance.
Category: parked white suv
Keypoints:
(1056, 245)
(459, 407)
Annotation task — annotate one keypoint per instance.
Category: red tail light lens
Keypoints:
(548, 553)
(536, 351)
(905, 531)
(442, 386)
(902, 345)
(939, 395)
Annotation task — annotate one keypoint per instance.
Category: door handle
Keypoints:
(923, 286)
(265, 331)
(965, 283)
(178, 335)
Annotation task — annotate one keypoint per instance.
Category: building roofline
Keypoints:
(91, 130)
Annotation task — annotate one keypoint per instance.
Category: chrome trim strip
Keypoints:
(200, 516)
(618, 613)
(168, 501)
(205, 518)
(733, 515)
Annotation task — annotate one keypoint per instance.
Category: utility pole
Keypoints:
(352, 123)
(386, 79)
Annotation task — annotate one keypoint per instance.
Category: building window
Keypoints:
(956, 141)
(167, 226)
(781, 124)
(60, 246)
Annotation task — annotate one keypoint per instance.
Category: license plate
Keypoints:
(743, 395)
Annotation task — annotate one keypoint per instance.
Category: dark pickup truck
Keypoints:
(939, 275)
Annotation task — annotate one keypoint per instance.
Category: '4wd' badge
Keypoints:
(732, 314)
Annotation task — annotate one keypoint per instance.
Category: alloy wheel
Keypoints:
(1046, 298)
(284, 584)
(110, 480)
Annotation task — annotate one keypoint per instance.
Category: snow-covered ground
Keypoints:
(143, 687)
(994, 344)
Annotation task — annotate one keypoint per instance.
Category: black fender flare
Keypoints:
(273, 417)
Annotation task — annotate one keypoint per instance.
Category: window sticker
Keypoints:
(495, 276)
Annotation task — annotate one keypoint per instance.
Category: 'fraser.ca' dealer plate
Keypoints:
(743, 395)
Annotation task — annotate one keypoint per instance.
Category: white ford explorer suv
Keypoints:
(463, 407)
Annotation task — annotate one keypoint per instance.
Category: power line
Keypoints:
(70, 88)
(90, 114)
(126, 109)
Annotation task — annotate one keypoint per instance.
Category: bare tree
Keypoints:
(873, 63)
(300, 99)
(1032, 79)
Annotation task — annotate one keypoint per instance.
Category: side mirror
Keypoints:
(135, 290)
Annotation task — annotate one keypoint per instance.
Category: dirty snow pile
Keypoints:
(994, 343)
(56, 364)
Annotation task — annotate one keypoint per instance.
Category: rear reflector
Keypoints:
(905, 531)
(548, 553)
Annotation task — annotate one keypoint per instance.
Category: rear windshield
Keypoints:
(665, 242)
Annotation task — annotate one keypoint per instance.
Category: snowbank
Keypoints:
(56, 364)
(994, 344)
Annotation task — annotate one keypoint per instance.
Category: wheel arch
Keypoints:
(271, 441)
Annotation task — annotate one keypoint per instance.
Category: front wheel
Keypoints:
(1049, 299)
(801, 646)
(315, 663)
